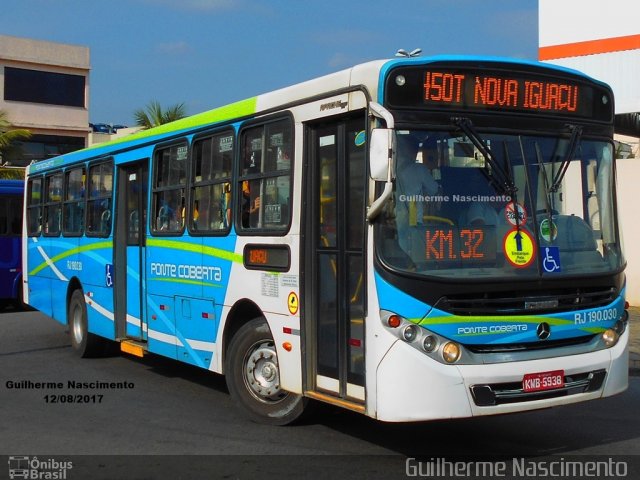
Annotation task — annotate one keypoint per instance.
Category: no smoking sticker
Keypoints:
(519, 218)
(519, 248)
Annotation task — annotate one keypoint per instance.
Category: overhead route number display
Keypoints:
(467, 89)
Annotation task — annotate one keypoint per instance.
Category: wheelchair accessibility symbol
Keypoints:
(551, 260)
(108, 275)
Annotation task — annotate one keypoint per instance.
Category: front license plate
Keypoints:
(537, 382)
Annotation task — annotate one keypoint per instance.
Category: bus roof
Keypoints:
(368, 74)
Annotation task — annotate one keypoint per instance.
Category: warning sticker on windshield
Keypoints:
(515, 214)
(519, 248)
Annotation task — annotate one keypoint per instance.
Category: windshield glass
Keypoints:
(527, 211)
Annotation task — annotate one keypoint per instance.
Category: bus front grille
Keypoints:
(529, 346)
(515, 303)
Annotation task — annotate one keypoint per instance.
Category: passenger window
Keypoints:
(170, 166)
(99, 200)
(34, 206)
(211, 192)
(52, 205)
(265, 177)
(73, 208)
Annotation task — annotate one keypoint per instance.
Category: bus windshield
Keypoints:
(496, 205)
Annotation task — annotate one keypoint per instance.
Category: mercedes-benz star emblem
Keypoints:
(543, 331)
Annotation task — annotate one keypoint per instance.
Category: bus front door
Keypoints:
(129, 250)
(335, 284)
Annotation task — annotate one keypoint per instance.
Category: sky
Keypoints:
(207, 53)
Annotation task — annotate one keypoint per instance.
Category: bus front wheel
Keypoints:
(84, 343)
(253, 376)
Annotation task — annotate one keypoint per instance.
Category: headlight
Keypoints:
(429, 343)
(418, 336)
(451, 352)
(410, 333)
(610, 337)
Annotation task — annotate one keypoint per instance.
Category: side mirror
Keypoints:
(381, 154)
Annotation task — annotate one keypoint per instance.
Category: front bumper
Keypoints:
(413, 387)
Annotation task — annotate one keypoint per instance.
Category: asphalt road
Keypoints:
(172, 410)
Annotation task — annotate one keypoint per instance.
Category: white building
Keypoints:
(602, 39)
(44, 88)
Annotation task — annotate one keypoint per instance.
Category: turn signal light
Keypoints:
(451, 352)
(394, 321)
(610, 337)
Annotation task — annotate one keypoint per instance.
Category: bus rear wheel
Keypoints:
(253, 377)
(84, 343)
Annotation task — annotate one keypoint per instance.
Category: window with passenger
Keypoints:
(169, 182)
(265, 177)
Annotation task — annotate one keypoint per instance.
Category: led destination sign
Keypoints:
(493, 91)
(450, 244)
(468, 89)
(267, 257)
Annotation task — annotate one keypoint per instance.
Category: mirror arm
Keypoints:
(376, 207)
(379, 111)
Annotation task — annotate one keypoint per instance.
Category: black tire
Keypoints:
(258, 390)
(84, 343)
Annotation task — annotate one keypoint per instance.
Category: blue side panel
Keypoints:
(187, 281)
(58, 302)
(197, 324)
(10, 255)
(170, 265)
(53, 262)
(100, 310)
(216, 289)
(40, 294)
(94, 255)
(17, 284)
(161, 325)
(100, 322)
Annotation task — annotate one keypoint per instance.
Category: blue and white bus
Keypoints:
(11, 194)
(412, 239)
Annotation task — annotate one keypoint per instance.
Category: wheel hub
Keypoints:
(261, 373)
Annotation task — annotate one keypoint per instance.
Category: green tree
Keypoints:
(153, 114)
(9, 136)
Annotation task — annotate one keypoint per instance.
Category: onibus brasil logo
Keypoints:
(22, 466)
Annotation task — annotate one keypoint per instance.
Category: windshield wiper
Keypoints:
(497, 176)
(547, 189)
(576, 133)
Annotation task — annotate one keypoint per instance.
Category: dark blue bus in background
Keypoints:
(11, 192)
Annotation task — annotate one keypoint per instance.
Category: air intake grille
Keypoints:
(512, 303)
(519, 347)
